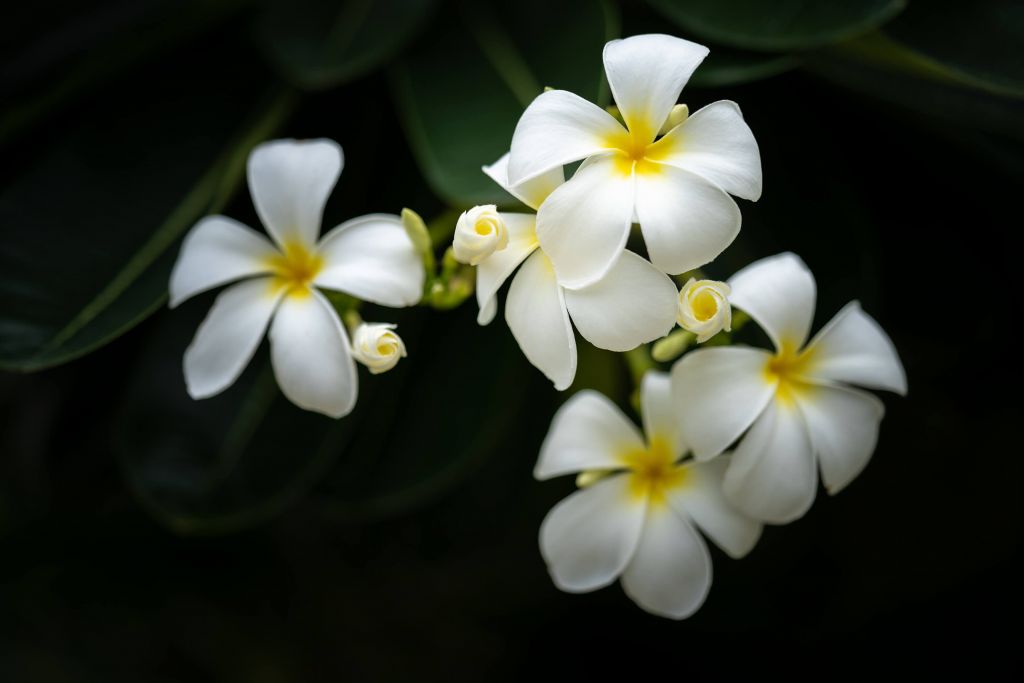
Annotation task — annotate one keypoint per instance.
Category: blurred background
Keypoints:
(148, 537)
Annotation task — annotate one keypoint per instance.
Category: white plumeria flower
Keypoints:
(795, 401)
(377, 346)
(638, 520)
(369, 257)
(704, 308)
(677, 186)
(479, 232)
(632, 304)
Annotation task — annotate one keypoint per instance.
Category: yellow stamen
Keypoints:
(653, 470)
(295, 267)
(788, 367)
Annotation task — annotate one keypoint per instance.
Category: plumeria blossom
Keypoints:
(369, 257)
(377, 346)
(639, 520)
(479, 232)
(632, 304)
(795, 404)
(704, 308)
(676, 186)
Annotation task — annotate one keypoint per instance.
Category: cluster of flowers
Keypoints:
(791, 411)
(647, 162)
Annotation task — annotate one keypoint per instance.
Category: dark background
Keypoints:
(146, 537)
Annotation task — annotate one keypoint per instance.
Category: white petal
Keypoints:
(532, 192)
(229, 336)
(633, 304)
(589, 538)
(843, 425)
(587, 432)
(716, 144)
(372, 258)
(779, 293)
(853, 348)
(558, 128)
(703, 500)
(686, 220)
(535, 312)
(216, 251)
(290, 181)
(772, 476)
(718, 393)
(492, 272)
(311, 355)
(646, 74)
(660, 418)
(584, 224)
(670, 573)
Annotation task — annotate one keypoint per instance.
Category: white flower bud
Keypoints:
(704, 308)
(377, 347)
(479, 233)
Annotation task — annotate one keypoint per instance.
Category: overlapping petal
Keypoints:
(686, 221)
(702, 499)
(584, 224)
(492, 272)
(853, 348)
(558, 128)
(778, 292)
(229, 336)
(290, 181)
(590, 537)
(718, 394)
(588, 432)
(773, 476)
(717, 144)
(634, 303)
(646, 74)
(216, 251)
(843, 426)
(310, 353)
(371, 257)
(533, 192)
(659, 415)
(670, 573)
(535, 312)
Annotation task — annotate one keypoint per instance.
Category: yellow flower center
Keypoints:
(295, 267)
(635, 151)
(653, 470)
(788, 367)
(704, 305)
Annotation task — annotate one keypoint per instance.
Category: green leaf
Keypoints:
(779, 26)
(878, 67)
(461, 93)
(725, 67)
(976, 43)
(49, 60)
(224, 463)
(133, 172)
(318, 45)
(240, 458)
(462, 394)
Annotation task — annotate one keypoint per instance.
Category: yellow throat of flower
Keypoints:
(295, 268)
(789, 367)
(637, 149)
(653, 470)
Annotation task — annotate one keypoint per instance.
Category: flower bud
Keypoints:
(377, 347)
(479, 233)
(704, 308)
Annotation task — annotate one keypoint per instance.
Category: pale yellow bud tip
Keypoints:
(479, 232)
(704, 308)
(377, 346)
